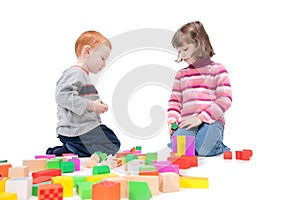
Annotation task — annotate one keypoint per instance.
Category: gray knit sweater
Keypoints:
(73, 91)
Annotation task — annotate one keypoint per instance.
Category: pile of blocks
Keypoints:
(53, 178)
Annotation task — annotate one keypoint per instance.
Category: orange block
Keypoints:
(149, 173)
(50, 192)
(4, 169)
(106, 190)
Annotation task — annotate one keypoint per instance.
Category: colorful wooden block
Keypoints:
(227, 155)
(106, 190)
(169, 182)
(47, 172)
(66, 182)
(50, 192)
(123, 184)
(4, 167)
(2, 184)
(8, 196)
(84, 190)
(153, 182)
(18, 171)
(20, 185)
(35, 165)
(193, 182)
(139, 190)
(100, 177)
(104, 169)
(183, 145)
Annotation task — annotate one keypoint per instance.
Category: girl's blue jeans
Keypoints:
(208, 138)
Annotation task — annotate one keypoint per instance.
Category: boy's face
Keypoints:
(186, 52)
(97, 58)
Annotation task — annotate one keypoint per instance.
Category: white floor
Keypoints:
(231, 179)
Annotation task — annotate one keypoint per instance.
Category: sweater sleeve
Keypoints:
(222, 101)
(175, 102)
(67, 91)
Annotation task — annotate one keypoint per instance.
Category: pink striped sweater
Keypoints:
(203, 89)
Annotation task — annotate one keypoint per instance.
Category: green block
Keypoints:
(78, 179)
(174, 126)
(150, 157)
(130, 157)
(139, 191)
(53, 163)
(147, 168)
(139, 148)
(103, 169)
(3, 161)
(35, 189)
(67, 167)
(84, 190)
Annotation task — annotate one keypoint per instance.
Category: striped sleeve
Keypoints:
(223, 99)
(175, 102)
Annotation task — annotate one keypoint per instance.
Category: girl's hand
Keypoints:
(191, 122)
(171, 131)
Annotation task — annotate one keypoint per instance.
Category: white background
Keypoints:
(257, 41)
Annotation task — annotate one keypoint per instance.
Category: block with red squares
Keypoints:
(50, 192)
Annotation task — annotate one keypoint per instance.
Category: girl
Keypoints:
(201, 92)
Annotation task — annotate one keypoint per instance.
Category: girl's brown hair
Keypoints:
(194, 32)
(91, 38)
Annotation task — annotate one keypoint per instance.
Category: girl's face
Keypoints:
(186, 52)
(97, 58)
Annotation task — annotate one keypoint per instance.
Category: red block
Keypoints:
(192, 159)
(106, 190)
(50, 192)
(245, 155)
(183, 162)
(41, 179)
(47, 172)
(227, 155)
(238, 155)
(149, 173)
(4, 169)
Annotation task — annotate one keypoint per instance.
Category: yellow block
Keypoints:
(193, 182)
(141, 157)
(67, 182)
(181, 145)
(8, 196)
(2, 184)
(100, 177)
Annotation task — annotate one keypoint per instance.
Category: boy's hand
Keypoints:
(97, 107)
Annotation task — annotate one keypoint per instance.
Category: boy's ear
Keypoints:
(86, 50)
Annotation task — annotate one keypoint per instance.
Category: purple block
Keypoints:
(166, 167)
(174, 144)
(44, 156)
(76, 163)
(190, 145)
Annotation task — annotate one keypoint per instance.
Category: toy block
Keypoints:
(3, 161)
(183, 162)
(238, 155)
(4, 167)
(84, 190)
(169, 182)
(41, 179)
(141, 157)
(78, 179)
(76, 162)
(150, 157)
(166, 166)
(227, 155)
(18, 171)
(153, 182)
(90, 163)
(123, 185)
(50, 192)
(67, 166)
(35, 188)
(47, 172)
(149, 173)
(130, 157)
(2, 184)
(104, 169)
(138, 148)
(147, 168)
(192, 159)
(251, 152)
(35, 165)
(133, 167)
(245, 155)
(112, 162)
(193, 182)
(174, 126)
(183, 145)
(100, 177)
(106, 190)
(20, 185)
(139, 191)
(54, 163)
(66, 182)
(49, 156)
(101, 155)
(122, 154)
(8, 196)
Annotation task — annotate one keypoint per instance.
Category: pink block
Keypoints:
(76, 163)
(166, 167)
(190, 145)
(45, 156)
